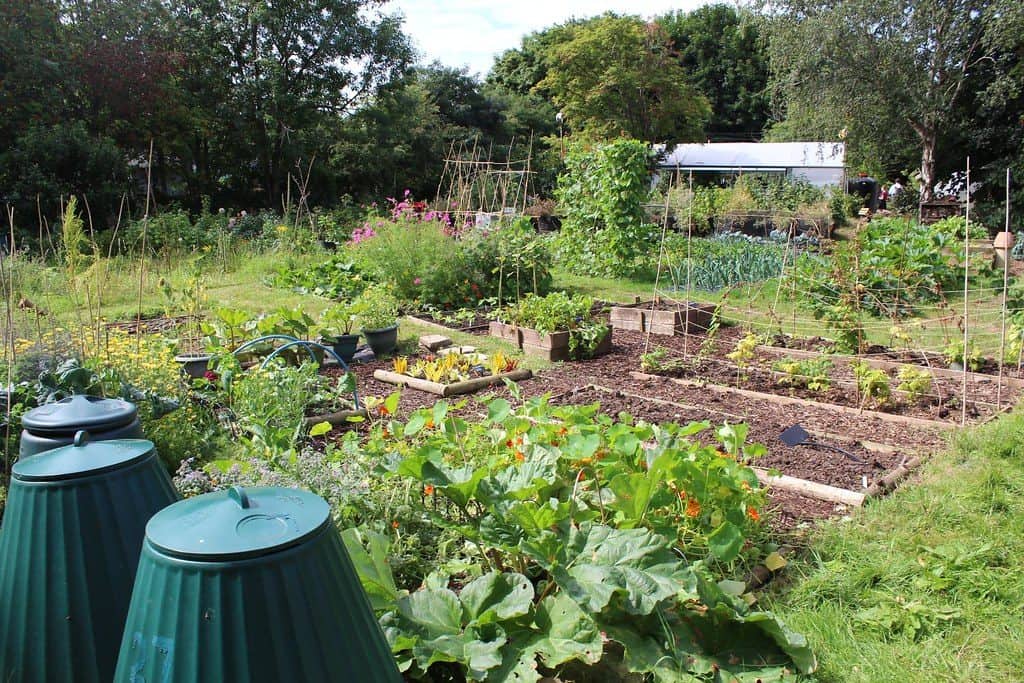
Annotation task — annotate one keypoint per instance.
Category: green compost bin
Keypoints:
(250, 585)
(54, 425)
(69, 549)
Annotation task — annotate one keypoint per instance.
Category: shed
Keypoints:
(819, 163)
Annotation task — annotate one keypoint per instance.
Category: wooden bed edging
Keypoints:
(972, 377)
(444, 390)
(338, 418)
(791, 400)
(810, 489)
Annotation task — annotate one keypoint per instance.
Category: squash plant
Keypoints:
(580, 530)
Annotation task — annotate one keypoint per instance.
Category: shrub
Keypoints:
(424, 263)
(48, 163)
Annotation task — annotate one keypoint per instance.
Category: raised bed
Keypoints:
(465, 387)
(660, 318)
(551, 346)
(509, 333)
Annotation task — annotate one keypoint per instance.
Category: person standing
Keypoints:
(895, 189)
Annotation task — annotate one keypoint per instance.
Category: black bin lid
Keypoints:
(79, 412)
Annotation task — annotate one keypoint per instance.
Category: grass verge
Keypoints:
(927, 584)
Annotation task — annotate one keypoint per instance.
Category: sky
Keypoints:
(473, 32)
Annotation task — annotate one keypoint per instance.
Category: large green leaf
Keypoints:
(496, 597)
(726, 541)
(566, 632)
(560, 632)
(520, 481)
(436, 612)
(371, 563)
(633, 493)
(594, 562)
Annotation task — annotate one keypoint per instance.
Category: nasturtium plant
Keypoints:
(577, 530)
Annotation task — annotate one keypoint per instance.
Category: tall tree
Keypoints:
(32, 79)
(620, 76)
(899, 65)
(723, 56)
(273, 74)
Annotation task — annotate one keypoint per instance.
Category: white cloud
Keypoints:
(473, 32)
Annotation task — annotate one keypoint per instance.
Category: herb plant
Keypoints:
(872, 384)
(812, 373)
(378, 308)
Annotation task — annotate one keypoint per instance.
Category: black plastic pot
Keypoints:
(194, 365)
(343, 344)
(382, 341)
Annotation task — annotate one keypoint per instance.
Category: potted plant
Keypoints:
(336, 325)
(378, 318)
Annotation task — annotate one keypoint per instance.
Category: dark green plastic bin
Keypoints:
(250, 585)
(55, 424)
(69, 549)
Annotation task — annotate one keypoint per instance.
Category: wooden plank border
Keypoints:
(791, 400)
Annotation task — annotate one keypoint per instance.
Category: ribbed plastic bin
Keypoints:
(69, 549)
(250, 585)
(55, 424)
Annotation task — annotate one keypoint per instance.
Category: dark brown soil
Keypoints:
(881, 444)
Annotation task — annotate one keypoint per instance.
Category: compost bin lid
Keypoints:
(80, 412)
(82, 459)
(237, 523)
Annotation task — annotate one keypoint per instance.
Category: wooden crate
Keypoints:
(640, 319)
(554, 347)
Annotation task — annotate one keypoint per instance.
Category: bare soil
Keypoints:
(880, 444)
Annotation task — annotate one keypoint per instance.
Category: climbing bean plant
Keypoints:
(601, 196)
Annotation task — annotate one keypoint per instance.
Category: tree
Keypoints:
(881, 68)
(723, 56)
(619, 76)
(31, 77)
(269, 77)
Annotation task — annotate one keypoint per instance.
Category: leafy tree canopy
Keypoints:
(724, 57)
(889, 70)
(620, 76)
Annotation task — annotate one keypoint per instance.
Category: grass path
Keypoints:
(927, 584)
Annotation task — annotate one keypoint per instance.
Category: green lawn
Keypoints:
(928, 583)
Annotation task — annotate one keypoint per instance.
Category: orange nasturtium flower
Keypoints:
(383, 409)
(692, 507)
(394, 524)
(428, 489)
(752, 513)
(519, 456)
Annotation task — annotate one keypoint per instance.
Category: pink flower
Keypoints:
(417, 281)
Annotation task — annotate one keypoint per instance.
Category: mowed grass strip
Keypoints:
(927, 584)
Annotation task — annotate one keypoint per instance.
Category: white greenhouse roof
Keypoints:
(765, 156)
